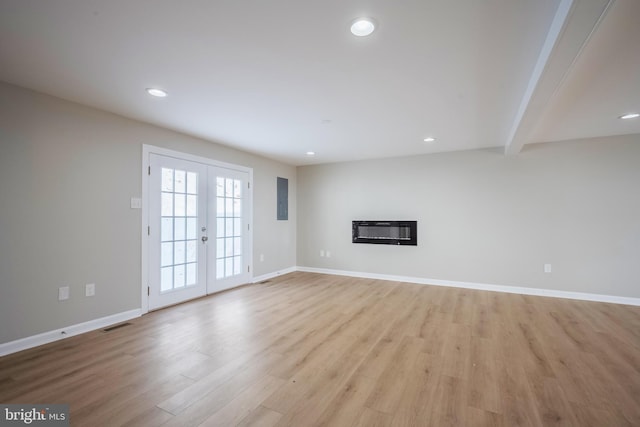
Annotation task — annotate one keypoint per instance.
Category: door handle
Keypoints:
(204, 239)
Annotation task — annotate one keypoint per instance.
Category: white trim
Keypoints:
(144, 214)
(91, 325)
(480, 286)
(69, 331)
(268, 276)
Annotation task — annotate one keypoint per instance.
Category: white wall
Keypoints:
(67, 173)
(486, 218)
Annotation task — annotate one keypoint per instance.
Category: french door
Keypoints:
(228, 266)
(199, 229)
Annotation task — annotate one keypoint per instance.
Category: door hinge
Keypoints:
(148, 290)
(248, 185)
(149, 171)
(248, 268)
(248, 226)
(148, 230)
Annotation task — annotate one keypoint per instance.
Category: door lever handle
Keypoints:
(204, 239)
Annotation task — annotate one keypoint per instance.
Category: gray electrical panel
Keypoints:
(283, 199)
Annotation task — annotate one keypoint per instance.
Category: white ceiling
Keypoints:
(283, 77)
(602, 84)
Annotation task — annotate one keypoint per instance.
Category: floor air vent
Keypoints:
(111, 328)
(265, 281)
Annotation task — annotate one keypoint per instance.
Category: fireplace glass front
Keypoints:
(385, 232)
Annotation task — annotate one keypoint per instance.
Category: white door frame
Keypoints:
(146, 151)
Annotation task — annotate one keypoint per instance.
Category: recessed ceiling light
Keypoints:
(429, 139)
(362, 27)
(629, 116)
(159, 93)
(310, 153)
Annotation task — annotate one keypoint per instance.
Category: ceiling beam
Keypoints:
(573, 24)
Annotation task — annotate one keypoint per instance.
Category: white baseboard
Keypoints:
(58, 334)
(480, 286)
(274, 274)
(91, 325)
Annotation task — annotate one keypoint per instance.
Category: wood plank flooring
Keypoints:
(317, 350)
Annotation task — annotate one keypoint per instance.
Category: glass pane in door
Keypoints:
(229, 227)
(179, 257)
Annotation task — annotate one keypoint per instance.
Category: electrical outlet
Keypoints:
(90, 289)
(321, 252)
(328, 254)
(547, 268)
(63, 293)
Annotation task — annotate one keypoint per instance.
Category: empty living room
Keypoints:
(290, 213)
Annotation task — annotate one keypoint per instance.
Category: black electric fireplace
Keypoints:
(385, 232)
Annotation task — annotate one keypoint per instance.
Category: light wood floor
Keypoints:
(308, 349)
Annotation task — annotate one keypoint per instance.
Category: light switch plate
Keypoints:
(63, 293)
(136, 203)
(90, 289)
(547, 268)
